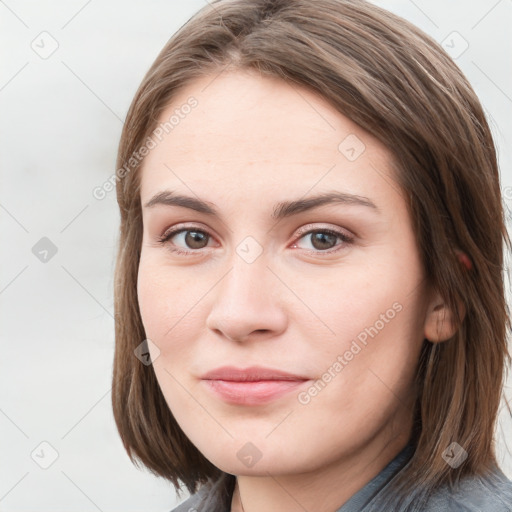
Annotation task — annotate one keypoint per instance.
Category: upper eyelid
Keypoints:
(177, 229)
(310, 227)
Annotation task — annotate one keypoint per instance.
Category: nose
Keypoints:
(246, 303)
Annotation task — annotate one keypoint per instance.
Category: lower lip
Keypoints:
(252, 393)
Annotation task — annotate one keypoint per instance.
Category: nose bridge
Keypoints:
(247, 281)
(248, 262)
(245, 299)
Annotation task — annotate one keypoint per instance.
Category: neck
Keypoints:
(324, 490)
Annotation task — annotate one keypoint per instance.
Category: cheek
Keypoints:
(367, 372)
(151, 297)
(369, 295)
(376, 311)
(155, 292)
(168, 302)
(161, 289)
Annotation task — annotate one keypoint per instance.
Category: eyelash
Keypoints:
(347, 240)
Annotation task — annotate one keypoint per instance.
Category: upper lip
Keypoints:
(251, 374)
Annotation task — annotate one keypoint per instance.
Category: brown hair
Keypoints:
(399, 85)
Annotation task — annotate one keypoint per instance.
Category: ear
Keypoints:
(440, 323)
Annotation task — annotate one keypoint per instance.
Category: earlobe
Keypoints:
(440, 322)
(464, 259)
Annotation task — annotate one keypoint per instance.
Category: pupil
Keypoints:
(321, 238)
(193, 238)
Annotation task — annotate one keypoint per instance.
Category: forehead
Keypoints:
(250, 132)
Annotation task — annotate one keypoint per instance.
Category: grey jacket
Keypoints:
(492, 493)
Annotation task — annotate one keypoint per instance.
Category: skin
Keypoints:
(250, 143)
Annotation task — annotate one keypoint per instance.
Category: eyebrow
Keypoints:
(281, 210)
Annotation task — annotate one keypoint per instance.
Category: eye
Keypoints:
(322, 240)
(191, 238)
(187, 240)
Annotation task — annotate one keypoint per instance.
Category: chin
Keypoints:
(248, 460)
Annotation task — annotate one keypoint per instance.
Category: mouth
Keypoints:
(251, 386)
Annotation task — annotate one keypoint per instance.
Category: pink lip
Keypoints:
(251, 386)
(251, 374)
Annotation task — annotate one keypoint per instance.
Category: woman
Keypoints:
(309, 292)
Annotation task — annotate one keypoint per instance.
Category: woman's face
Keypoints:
(331, 292)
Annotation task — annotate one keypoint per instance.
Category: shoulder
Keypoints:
(194, 503)
(490, 492)
(210, 497)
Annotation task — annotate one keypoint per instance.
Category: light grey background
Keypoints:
(61, 118)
